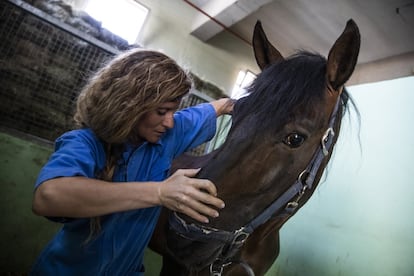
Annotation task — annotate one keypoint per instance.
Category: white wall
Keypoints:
(219, 61)
(167, 29)
(360, 219)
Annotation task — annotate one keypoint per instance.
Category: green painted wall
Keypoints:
(23, 234)
(359, 221)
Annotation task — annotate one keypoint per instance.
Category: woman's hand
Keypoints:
(191, 196)
(223, 106)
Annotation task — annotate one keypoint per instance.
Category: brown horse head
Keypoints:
(276, 133)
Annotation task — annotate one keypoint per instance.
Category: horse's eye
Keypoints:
(294, 140)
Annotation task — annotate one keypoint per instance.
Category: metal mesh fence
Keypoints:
(194, 99)
(42, 68)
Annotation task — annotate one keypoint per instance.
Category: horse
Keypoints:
(280, 141)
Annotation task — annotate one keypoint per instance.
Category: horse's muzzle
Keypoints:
(193, 254)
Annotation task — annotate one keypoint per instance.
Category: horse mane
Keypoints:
(279, 90)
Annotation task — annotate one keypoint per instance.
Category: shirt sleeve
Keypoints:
(194, 126)
(77, 153)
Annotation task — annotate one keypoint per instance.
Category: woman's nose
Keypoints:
(168, 121)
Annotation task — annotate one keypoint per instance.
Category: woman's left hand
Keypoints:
(223, 106)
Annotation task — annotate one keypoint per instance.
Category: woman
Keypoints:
(107, 180)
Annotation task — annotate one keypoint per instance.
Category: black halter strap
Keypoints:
(233, 241)
(290, 198)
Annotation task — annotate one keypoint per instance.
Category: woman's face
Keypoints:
(155, 123)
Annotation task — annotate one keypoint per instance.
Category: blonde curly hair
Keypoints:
(132, 84)
(115, 99)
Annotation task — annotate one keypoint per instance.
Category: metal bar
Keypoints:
(201, 95)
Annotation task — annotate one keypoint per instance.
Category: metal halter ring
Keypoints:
(214, 272)
(301, 176)
(240, 236)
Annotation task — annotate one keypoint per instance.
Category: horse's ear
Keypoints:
(264, 52)
(343, 56)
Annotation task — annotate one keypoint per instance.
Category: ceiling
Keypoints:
(386, 26)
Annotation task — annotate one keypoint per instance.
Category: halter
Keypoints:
(234, 240)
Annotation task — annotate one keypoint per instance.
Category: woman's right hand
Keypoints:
(190, 196)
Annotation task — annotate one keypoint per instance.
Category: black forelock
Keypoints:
(282, 89)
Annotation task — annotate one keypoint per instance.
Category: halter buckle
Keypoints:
(325, 138)
(294, 204)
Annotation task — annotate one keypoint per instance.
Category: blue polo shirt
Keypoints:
(119, 247)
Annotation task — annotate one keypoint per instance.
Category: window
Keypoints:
(244, 79)
(124, 18)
